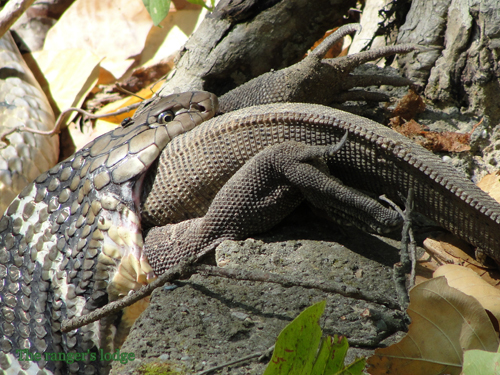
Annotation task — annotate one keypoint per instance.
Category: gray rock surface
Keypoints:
(208, 321)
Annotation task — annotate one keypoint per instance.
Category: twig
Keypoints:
(182, 270)
(11, 12)
(60, 122)
(408, 259)
(287, 282)
(186, 268)
(128, 92)
(243, 359)
(407, 253)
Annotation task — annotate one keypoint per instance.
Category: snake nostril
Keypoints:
(197, 107)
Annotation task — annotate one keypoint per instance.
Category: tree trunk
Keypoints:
(241, 40)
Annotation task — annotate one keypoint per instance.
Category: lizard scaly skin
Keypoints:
(374, 159)
(64, 237)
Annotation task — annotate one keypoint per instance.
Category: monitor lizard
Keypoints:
(72, 240)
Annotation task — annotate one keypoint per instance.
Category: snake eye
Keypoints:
(165, 117)
(128, 121)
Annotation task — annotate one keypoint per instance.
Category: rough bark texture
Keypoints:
(234, 45)
(466, 70)
(462, 79)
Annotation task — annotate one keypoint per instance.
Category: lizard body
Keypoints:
(28, 249)
(374, 159)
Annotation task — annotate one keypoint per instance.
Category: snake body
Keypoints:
(22, 103)
(73, 237)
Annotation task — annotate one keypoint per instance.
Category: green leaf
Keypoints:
(157, 9)
(202, 3)
(296, 351)
(331, 356)
(480, 362)
(324, 356)
(355, 368)
(297, 344)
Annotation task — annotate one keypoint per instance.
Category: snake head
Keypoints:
(188, 108)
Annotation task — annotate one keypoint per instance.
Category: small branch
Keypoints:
(407, 251)
(243, 359)
(11, 12)
(182, 270)
(60, 122)
(186, 268)
(408, 259)
(287, 282)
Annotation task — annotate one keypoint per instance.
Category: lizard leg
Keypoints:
(265, 190)
(316, 80)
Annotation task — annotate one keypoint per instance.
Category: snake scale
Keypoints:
(77, 226)
(22, 103)
(72, 241)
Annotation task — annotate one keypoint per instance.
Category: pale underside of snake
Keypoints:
(84, 238)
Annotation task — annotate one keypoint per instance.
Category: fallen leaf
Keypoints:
(470, 283)
(145, 93)
(446, 248)
(409, 106)
(449, 249)
(334, 50)
(445, 322)
(114, 30)
(70, 75)
(491, 184)
(145, 76)
(479, 362)
(433, 141)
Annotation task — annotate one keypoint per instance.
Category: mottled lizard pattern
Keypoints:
(71, 241)
(374, 159)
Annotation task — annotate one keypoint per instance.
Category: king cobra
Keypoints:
(71, 241)
(22, 103)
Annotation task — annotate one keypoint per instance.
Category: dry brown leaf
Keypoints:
(145, 93)
(115, 30)
(70, 75)
(449, 249)
(491, 184)
(334, 50)
(145, 76)
(470, 283)
(167, 39)
(445, 322)
(448, 141)
(409, 129)
(409, 106)
(433, 141)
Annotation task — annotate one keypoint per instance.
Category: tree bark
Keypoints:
(244, 39)
(465, 72)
